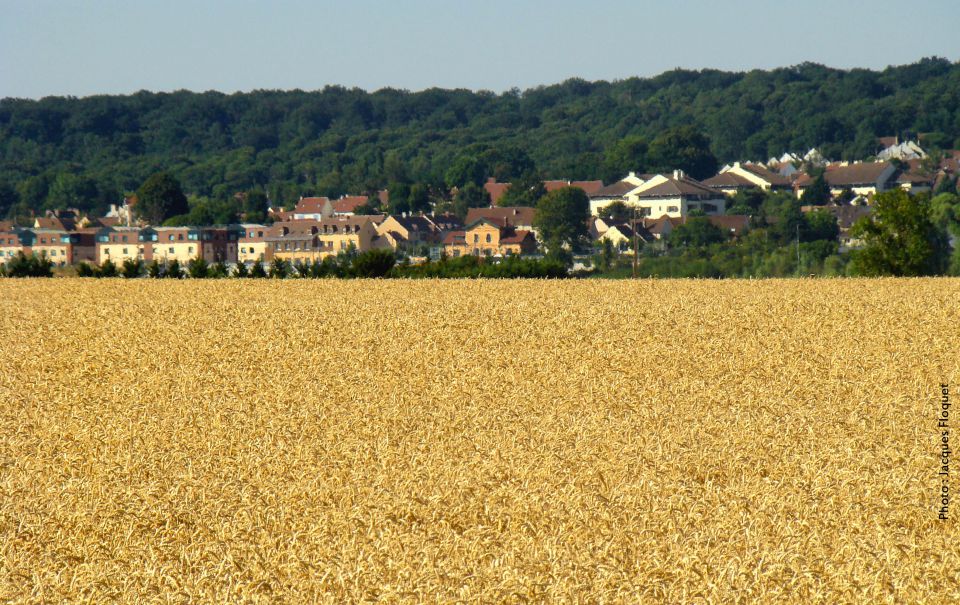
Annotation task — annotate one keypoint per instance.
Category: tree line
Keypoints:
(274, 146)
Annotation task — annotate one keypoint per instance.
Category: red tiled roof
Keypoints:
(515, 238)
(495, 190)
(452, 236)
(349, 203)
(511, 215)
(864, 173)
(310, 205)
(590, 187)
(726, 180)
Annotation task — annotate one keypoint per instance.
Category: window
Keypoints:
(180, 236)
(476, 238)
(124, 250)
(343, 245)
(124, 239)
(190, 250)
(171, 238)
(243, 250)
(488, 238)
(43, 240)
(672, 209)
(259, 234)
(171, 248)
(53, 253)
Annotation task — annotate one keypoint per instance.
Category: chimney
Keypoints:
(678, 174)
(632, 174)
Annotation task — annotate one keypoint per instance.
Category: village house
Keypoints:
(315, 240)
(740, 177)
(348, 204)
(313, 209)
(492, 237)
(675, 195)
(518, 217)
(252, 243)
(615, 192)
(13, 240)
(118, 244)
(864, 179)
(407, 232)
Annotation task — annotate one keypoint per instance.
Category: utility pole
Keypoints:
(635, 248)
(798, 248)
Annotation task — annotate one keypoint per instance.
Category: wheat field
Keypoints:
(475, 441)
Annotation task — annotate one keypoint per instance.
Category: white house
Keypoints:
(675, 195)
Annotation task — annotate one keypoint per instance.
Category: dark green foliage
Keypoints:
(302, 268)
(624, 156)
(474, 267)
(685, 148)
(617, 212)
(696, 232)
(279, 268)
(160, 197)
(240, 270)
(339, 140)
(561, 219)
(257, 271)
(900, 238)
(817, 194)
(107, 269)
(819, 225)
(373, 263)
(154, 270)
(198, 268)
(174, 270)
(469, 196)
(131, 268)
(28, 266)
(218, 270)
(85, 270)
(524, 191)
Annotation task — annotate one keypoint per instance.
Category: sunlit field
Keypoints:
(478, 441)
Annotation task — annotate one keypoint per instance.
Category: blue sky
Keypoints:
(69, 47)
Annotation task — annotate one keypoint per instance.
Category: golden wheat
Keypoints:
(475, 441)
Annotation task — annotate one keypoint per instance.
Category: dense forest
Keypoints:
(87, 152)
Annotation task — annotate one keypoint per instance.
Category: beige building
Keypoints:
(315, 240)
(489, 237)
(252, 244)
(118, 244)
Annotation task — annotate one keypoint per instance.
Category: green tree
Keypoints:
(820, 225)
(240, 270)
(372, 263)
(616, 211)
(900, 238)
(561, 219)
(154, 270)
(685, 148)
(197, 268)
(696, 232)
(131, 268)
(419, 198)
(174, 270)
(470, 196)
(465, 169)
(524, 191)
(107, 269)
(255, 204)
(279, 269)
(817, 194)
(626, 155)
(257, 271)
(161, 197)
